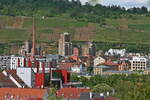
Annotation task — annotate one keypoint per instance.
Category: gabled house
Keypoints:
(98, 60)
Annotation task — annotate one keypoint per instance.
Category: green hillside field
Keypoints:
(135, 29)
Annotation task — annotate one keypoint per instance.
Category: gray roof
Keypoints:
(102, 66)
(147, 69)
(125, 72)
(86, 96)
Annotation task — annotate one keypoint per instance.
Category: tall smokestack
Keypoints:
(33, 37)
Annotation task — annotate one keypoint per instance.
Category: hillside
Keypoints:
(128, 29)
(108, 26)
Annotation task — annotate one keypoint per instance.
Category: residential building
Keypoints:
(23, 94)
(5, 61)
(112, 65)
(98, 70)
(17, 61)
(139, 63)
(26, 48)
(65, 45)
(147, 71)
(89, 49)
(71, 93)
(106, 66)
(98, 61)
(96, 96)
(116, 52)
(124, 65)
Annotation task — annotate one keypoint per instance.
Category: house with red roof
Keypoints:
(23, 94)
(71, 93)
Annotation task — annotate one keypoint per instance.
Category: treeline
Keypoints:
(127, 87)
(130, 47)
(74, 9)
(3, 48)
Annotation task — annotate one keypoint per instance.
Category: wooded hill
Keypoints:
(110, 25)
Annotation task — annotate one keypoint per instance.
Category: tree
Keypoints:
(74, 78)
(52, 94)
(102, 88)
(144, 10)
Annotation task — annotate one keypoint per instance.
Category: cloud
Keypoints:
(124, 3)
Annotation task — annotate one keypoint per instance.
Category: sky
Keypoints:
(124, 3)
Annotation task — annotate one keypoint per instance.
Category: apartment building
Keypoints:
(17, 62)
(5, 61)
(65, 45)
(139, 63)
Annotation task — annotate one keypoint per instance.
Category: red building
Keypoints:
(65, 75)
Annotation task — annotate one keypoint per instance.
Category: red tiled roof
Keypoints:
(66, 65)
(6, 82)
(72, 93)
(35, 99)
(22, 93)
(110, 63)
(108, 98)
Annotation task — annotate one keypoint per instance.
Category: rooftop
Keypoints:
(72, 93)
(5, 81)
(110, 63)
(15, 76)
(22, 93)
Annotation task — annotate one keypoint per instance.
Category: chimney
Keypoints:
(33, 38)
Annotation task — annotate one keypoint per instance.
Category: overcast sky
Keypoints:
(124, 3)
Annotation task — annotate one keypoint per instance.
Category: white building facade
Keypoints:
(98, 60)
(16, 62)
(116, 52)
(26, 75)
(139, 63)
